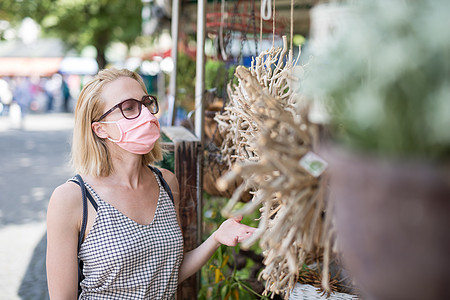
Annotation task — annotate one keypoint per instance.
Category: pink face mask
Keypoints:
(137, 135)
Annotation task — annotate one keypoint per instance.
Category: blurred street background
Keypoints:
(48, 51)
(34, 160)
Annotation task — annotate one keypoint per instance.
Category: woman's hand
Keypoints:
(229, 233)
(232, 232)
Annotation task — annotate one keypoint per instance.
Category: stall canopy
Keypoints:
(43, 57)
(29, 66)
(234, 15)
(47, 66)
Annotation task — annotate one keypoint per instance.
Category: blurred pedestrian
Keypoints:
(54, 91)
(22, 96)
(133, 246)
(65, 91)
(6, 96)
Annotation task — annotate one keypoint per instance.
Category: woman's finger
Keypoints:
(238, 218)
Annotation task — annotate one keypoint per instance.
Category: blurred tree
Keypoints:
(80, 23)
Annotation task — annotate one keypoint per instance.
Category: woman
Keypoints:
(133, 244)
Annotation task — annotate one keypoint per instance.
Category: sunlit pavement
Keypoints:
(34, 159)
(37, 122)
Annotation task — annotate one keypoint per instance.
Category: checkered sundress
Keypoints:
(126, 260)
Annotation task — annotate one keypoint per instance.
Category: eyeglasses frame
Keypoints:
(119, 105)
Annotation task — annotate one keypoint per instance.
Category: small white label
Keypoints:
(313, 164)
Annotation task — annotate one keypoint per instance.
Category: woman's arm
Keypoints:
(63, 223)
(230, 233)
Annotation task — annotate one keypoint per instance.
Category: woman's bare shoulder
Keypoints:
(170, 178)
(68, 192)
(66, 201)
(166, 173)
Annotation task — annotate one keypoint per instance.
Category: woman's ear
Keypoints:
(99, 131)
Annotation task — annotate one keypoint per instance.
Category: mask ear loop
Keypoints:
(120, 129)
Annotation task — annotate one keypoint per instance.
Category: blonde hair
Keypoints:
(90, 154)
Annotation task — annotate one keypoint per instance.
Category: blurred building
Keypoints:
(43, 58)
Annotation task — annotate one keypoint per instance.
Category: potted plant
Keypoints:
(385, 78)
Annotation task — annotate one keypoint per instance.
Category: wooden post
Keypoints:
(186, 149)
(175, 26)
(186, 173)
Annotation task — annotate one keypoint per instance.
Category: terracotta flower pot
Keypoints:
(393, 225)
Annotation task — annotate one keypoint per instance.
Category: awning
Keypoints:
(29, 66)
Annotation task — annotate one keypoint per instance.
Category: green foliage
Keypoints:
(217, 75)
(385, 77)
(82, 22)
(220, 277)
(186, 70)
(168, 161)
(221, 281)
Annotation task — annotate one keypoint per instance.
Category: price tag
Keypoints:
(313, 164)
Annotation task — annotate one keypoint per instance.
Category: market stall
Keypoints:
(242, 125)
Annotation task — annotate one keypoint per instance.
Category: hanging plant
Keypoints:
(266, 135)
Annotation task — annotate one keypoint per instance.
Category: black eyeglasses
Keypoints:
(131, 108)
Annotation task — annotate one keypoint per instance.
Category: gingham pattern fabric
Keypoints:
(127, 260)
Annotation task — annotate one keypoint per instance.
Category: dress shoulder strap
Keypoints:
(163, 182)
(88, 194)
(85, 194)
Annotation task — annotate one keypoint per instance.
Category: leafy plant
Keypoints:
(385, 78)
(228, 275)
(186, 81)
(168, 161)
(218, 75)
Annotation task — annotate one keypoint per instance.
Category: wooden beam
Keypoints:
(179, 133)
(186, 149)
(186, 154)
